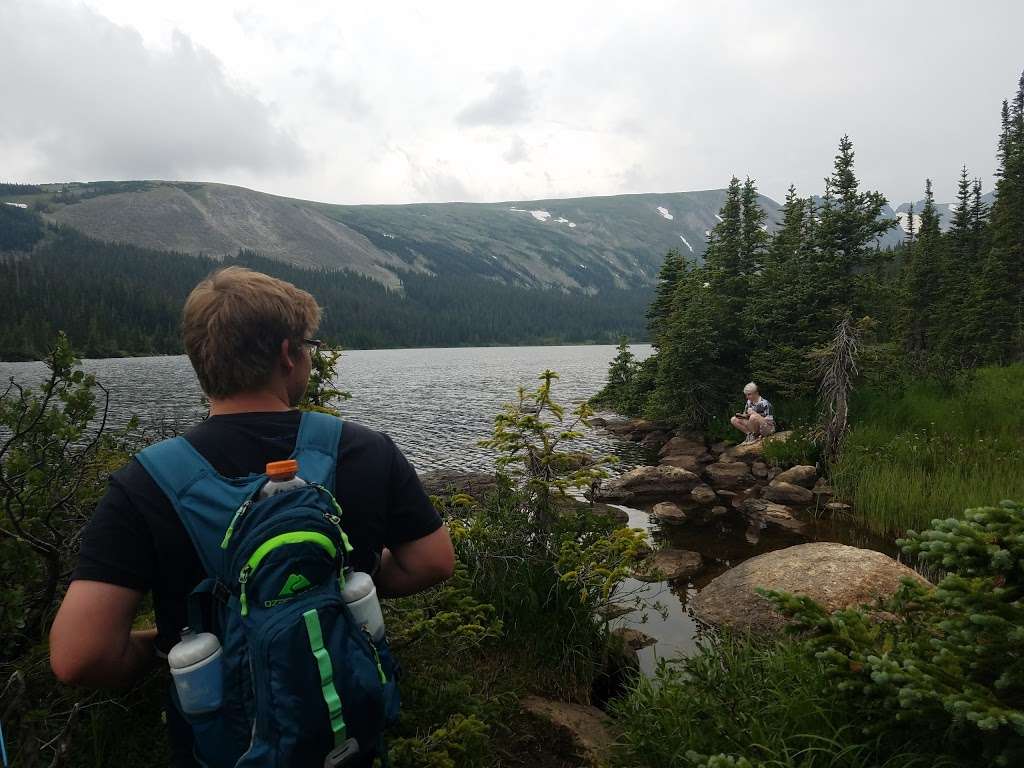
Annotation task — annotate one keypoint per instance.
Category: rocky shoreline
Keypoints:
(695, 483)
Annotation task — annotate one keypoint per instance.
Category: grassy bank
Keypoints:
(767, 700)
(932, 451)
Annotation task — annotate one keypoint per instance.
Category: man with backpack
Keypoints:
(298, 681)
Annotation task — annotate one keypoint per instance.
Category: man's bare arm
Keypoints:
(92, 641)
(416, 565)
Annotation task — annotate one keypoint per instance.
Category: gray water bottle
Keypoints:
(361, 596)
(197, 668)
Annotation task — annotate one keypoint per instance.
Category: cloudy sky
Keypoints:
(407, 102)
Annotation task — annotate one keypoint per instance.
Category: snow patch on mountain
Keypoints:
(719, 217)
(686, 243)
(563, 220)
(664, 213)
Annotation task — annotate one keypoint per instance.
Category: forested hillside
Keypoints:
(116, 299)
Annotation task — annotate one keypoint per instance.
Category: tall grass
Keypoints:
(768, 701)
(932, 451)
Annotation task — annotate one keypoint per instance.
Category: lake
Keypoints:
(437, 404)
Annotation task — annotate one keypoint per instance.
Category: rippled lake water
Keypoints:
(437, 404)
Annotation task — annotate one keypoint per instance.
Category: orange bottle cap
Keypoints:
(279, 468)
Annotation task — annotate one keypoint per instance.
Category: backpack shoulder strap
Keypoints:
(316, 447)
(204, 500)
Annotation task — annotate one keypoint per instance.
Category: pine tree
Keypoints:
(851, 224)
(1001, 284)
(703, 353)
(672, 269)
(924, 279)
(755, 236)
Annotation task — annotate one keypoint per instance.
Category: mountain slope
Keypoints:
(584, 244)
(218, 219)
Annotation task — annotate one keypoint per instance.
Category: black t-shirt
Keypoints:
(136, 540)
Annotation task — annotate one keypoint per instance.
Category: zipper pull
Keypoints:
(376, 655)
(231, 527)
(243, 577)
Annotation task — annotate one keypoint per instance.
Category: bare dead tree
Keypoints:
(837, 369)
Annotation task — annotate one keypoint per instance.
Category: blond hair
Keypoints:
(233, 324)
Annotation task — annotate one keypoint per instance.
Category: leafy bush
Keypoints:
(945, 663)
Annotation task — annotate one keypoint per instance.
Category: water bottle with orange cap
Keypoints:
(283, 476)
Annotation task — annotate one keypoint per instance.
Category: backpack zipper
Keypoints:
(239, 513)
(268, 546)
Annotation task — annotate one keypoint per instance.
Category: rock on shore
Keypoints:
(661, 482)
(670, 565)
(444, 482)
(835, 575)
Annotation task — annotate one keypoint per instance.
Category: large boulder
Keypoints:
(647, 483)
(835, 575)
(683, 445)
(667, 512)
(685, 461)
(731, 476)
(802, 474)
(787, 493)
(670, 565)
(443, 482)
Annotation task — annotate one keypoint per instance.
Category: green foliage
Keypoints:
(52, 470)
(461, 741)
(528, 435)
(942, 663)
(55, 455)
(801, 448)
(933, 450)
(321, 393)
(20, 229)
(629, 382)
(747, 702)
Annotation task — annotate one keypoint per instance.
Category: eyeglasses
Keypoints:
(313, 344)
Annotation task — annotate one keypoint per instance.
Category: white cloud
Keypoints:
(85, 98)
(509, 101)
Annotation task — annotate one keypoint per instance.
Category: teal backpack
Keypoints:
(304, 685)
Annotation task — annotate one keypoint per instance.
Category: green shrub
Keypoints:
(946, 663)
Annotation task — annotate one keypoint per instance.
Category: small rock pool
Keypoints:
(664, 611)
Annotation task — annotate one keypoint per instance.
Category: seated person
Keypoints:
(757, 419)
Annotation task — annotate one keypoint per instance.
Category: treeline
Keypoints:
(114, 299)
(7, 188)
(763, 306)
